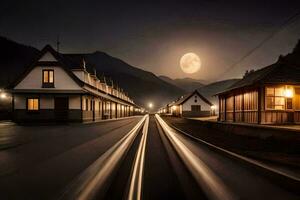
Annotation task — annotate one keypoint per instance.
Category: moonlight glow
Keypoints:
(190, 63)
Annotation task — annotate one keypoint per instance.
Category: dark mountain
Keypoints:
(142, 86)
(14, 58)
(187, 84)
(211, 89)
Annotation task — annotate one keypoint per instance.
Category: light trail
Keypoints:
(92, 180)
(135, 189)
(211, 184)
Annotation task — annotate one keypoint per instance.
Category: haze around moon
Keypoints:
(190, 63)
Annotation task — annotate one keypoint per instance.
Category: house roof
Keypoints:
(60, 59)
(286, 70)
(185, 97)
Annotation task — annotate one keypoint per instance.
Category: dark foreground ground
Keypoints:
(43, 160)
(285, 152)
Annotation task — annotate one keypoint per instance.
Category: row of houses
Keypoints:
(189, 105)
(59, 87)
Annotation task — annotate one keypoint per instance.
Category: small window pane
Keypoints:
(51, 77)
(279, 91)
(46, 77)
(279, 101)
(270, 92)
(270, 102)
(33, 104)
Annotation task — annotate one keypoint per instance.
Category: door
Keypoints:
(61, 108)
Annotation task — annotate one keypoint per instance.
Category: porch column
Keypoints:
(93, 108)
(225, 108)
(81, 107)
(110, 107)
(243, 108)
(233, 117)
(116, 110)
(103, 108)
(259, 96)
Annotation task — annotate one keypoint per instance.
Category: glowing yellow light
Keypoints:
(288, 93)
(150, 105)
(213, 107)
(174, 107)
(3, 95)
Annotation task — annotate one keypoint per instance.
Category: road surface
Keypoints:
(134, 158)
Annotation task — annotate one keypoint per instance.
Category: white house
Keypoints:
(190, 105)
(58, 87)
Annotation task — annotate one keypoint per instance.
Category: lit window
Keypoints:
(33, 104)
(48, 78)
(275, 99)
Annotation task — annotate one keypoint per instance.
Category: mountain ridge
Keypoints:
(187, 84)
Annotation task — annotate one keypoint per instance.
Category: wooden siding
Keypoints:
(222, 109)
(229, 108)
(241, 107)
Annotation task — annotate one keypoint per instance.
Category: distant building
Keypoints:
(270, 95)
(59, 87)
(190, 105)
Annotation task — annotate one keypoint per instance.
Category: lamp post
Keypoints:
(150, 105)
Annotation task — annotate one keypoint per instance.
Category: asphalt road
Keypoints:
(172, 166)
(44, 163)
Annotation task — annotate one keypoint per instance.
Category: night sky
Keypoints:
(153, 36)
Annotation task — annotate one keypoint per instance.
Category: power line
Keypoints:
(287, 22)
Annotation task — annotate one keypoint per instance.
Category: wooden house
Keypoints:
(64, 87)
(270, 95)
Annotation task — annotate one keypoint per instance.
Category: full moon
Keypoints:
(190, 63)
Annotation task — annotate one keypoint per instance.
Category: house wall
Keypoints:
(87, 113)
(191, 101)
(251, 107)
(185, 110)
(239, 107)
(46, 112)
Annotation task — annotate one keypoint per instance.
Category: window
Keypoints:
(196, 108)
(48, 78)
(275, 99)
(33, 104)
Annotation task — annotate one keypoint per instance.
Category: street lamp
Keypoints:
(2, 94)
(150, 105)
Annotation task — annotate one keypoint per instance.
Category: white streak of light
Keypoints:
(210, 183)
